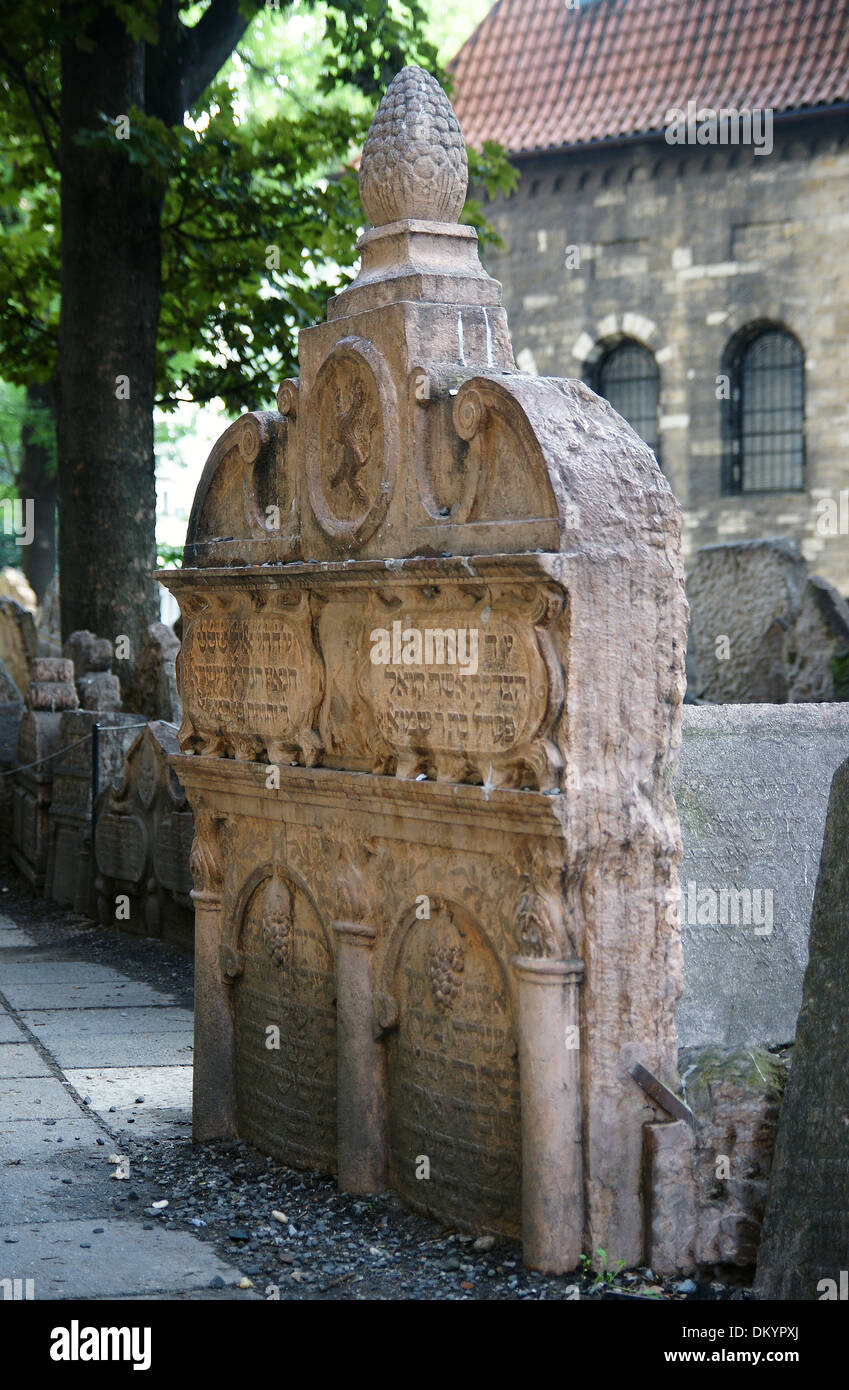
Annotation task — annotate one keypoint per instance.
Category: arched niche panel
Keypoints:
(453, 1073)
(286, 1079)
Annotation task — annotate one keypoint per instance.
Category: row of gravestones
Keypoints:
(95, 817)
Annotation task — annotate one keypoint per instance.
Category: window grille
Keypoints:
(628, 377)
(768, 408)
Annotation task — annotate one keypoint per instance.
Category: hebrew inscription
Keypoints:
(453, 1076)
(286, 1081)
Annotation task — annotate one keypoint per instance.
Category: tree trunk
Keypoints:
(107, 346)
(37, 484)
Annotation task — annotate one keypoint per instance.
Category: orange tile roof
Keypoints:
(539, 75)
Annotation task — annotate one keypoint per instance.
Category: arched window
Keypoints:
(627, 376)
(765, 429)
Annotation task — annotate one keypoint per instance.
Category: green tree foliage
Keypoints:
(260, 197)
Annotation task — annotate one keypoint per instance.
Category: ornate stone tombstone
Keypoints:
(69, 877)
(432, 674)
(50, 691)
(142, 840)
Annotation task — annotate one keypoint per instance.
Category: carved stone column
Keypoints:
(360, 1083)
(550, 1076)
(214, 1085)
(361, 1063)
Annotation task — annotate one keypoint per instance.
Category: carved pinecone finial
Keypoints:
(414, 159)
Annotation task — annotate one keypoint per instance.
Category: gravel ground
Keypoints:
(293, 1233)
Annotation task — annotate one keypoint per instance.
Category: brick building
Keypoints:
(701, 285)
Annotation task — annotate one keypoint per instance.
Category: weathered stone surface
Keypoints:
(804, 1250)
(48, 622)
(11, 709)
(88, 652)
(735, 1095)
(143, 841)
(52, 695)
(51, 668)
(752, 793)
(38, 741)
(762, 631)
(99, 690)
(70, 875)
(17, 641)
(439, 838)
(152, 689)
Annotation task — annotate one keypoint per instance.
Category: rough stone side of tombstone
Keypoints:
(38, 741)
(153, 685)
(69, 878)
(48, 622)
(17, 641)
(735, 1096)
(144, 830)
(97, 687)
(412, 472)
(804, 1251)
(817, 647)
(748, 593)
(11, 713)
(752, 793)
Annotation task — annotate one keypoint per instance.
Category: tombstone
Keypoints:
(752, 794)
(143, 838)
(804, 1251)
(17, 641)
(152, 689)
(432, 673)
(48, 622)
(70, 874)
(11, 712)
(762, 630)
(97, 688)
(50, 692)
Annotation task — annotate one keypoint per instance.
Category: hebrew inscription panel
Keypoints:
(454, 1078)
(286, 1077)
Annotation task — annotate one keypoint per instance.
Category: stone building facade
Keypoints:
(699, 258)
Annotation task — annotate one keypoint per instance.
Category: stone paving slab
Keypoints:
(166, 1111)
(125, 1260)
(44, 1190)
(9, 1030)
(11, 938)
(39, 968)
(26, 994)
(20, 1059)
(55, 1025)
(140, 1050)
(32, 1140)
(40, 1099)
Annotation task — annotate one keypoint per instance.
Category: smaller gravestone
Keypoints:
(804, 1250)
(70, 870)
(762, 629)
(11, 712)
(152, 689)
(97, 687)
(17, 641)
(49, 692)
(143, 839)
(752, 793)
(48, 623)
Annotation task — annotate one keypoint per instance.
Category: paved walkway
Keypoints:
(90, 1061)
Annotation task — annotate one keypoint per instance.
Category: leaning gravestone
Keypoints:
(69, 877)
(804, 1251)
(17, 641)
(49, 693)
(432, 674)
(143, 841)
(752, 794)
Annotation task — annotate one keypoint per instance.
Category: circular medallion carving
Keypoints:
(352, 446)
